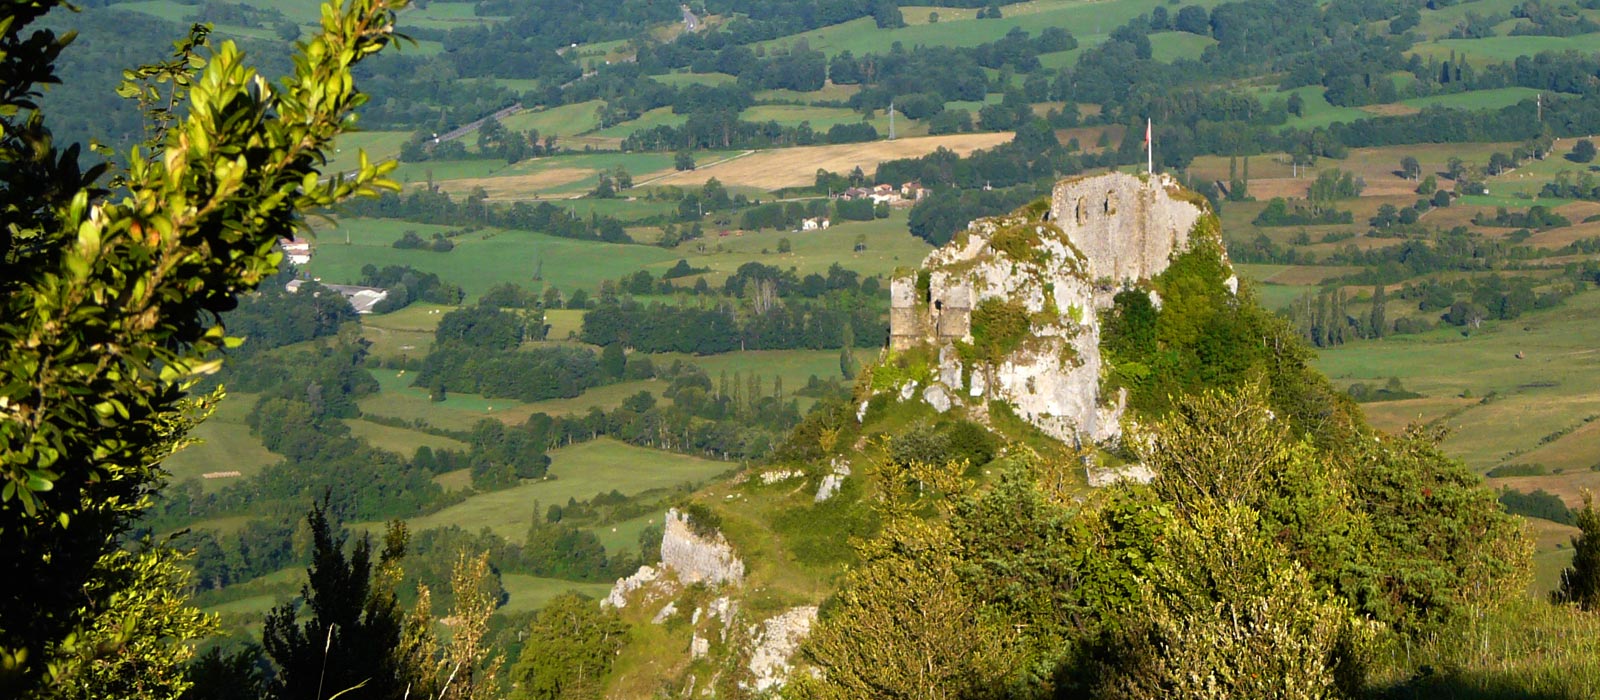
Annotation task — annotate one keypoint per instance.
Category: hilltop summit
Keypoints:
(1011, 307)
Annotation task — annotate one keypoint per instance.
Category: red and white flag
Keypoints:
(1147, 131)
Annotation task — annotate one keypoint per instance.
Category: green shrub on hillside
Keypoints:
(998, 327)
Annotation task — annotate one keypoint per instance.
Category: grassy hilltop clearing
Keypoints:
(630, 266)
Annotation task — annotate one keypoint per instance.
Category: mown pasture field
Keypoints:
(888, 246)
(1086, 19)
(1515, 403)
(797, 167)
(481, 259)
(579, 472)
(225, 445)
(532, 592)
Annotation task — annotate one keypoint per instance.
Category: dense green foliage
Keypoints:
(571, 645)
(352, 626)
(1264, 561)
(111, 299)
(1580, 583)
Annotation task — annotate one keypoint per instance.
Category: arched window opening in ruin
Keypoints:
(1111, 202)
(1083, 210)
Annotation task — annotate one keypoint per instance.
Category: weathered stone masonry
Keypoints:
(1101, 234)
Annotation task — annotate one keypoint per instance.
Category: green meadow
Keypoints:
(576, 472)
(481, 259)
(1477, 99)
(224, 445)
(1513, 402)
(529, 593)
(1498, 49)
(1084, 18)
(888, 246)
(566, 120)
(1171, 46)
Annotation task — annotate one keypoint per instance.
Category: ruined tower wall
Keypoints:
(1127, 227)
(906, 328)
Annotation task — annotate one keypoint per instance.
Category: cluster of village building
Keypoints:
(906, 195)
(298, 251)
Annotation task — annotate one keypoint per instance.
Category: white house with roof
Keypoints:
(296, 250)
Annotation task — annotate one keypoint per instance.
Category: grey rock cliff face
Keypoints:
(697, 559)
(1102, 234)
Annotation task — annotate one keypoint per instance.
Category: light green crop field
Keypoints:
(1171, 46)
(1438, 23)
(624, 536)
(566, 120)
(829, 92)
(226, 445)
(404, 333)
(1064, 59)
(165, 9)
(1086, 19)
(444, 15)
(661, 116)
(438, 170)
(530, 593)
(622, 208)
(380, 146)
(563, 322)
(823, 118)
(580, 472)
(1498, 49)
(1477, 99)
(1317, 112)
(603, 397)
(794, 366)
(483, 259)
(1549, 390)
(563, 176)
(400, 440)
(888, 246)
(681, 79)
(398, 399)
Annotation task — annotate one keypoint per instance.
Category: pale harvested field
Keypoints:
(1569, 486)
(1392, 187)
(1310, 274)
(1557, 237)
(1394, 417)
(1572, 452)
(797, 167)
(1391, 110)
(1288, 188)
(517, 186)
(1546, 534)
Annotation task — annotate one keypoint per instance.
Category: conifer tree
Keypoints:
(1580, 583)
(353, 624)
(1377, 321)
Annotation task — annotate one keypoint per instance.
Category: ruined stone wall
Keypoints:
(941, 314)
(905, 319)
(1127, 227)
(1102, 234)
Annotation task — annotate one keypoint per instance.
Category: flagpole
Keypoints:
(1150, 148)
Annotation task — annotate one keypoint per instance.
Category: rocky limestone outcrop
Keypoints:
(646, 578)
(687, 557)
(777, 638)
(694, 558)
(1009, 308)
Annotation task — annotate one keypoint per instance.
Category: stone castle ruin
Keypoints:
(1057, 268)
